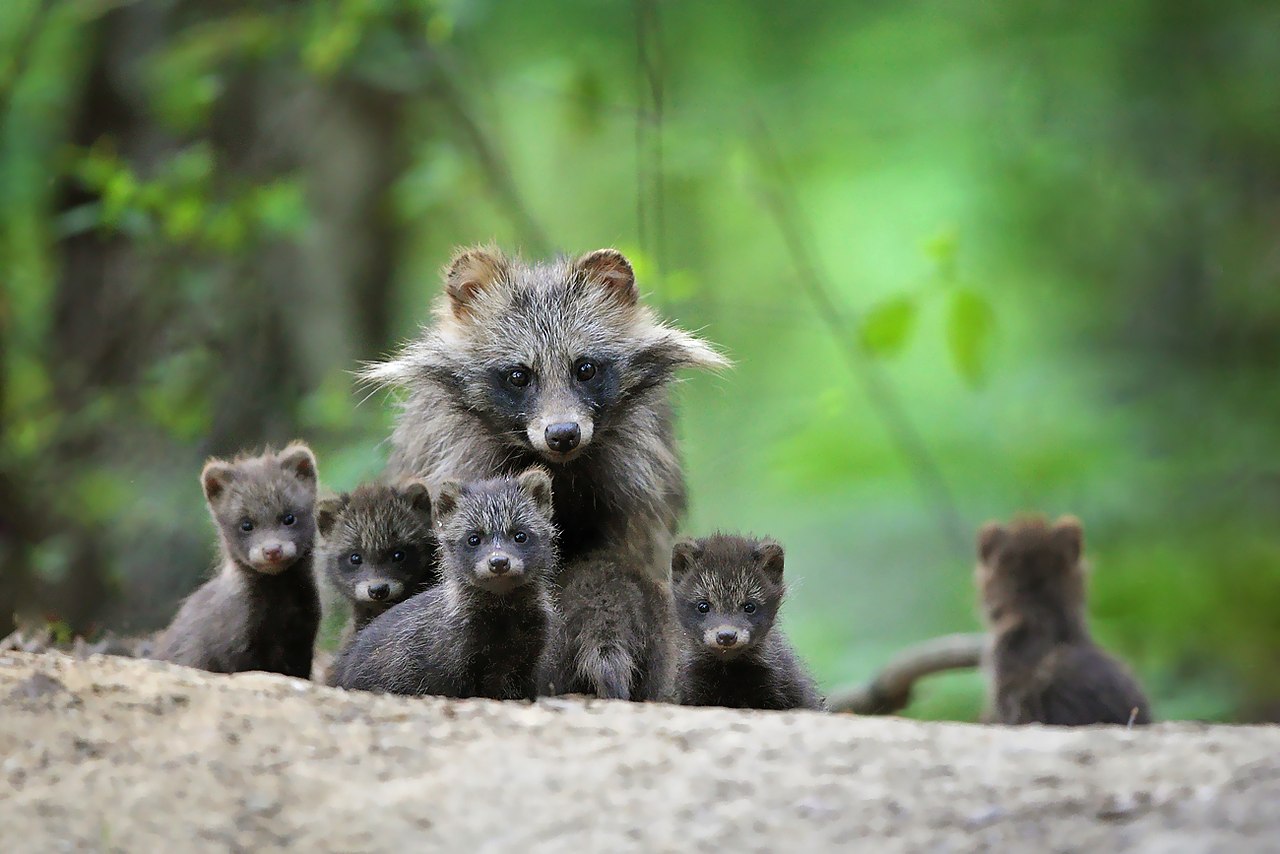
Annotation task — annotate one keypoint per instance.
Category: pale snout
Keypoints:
(499, 570)
(561, 436)
(272, 556)
(726, 639)
(379, 590)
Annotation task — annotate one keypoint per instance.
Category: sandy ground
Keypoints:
(114, 754)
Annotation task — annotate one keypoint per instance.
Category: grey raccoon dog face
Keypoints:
(1031, 565)
(727, 591)
(547, 355)
(497, 534)
(378, 545)
(264, 506)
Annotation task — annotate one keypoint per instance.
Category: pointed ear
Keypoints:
(611, 269)
(770, 556)
(215, 477)
(990, 536)
(418, 494)
(328, 510)
(684, 554)
(447, 499)
(536, 483)
(1068, 533)
(298, 460)
(469, 273)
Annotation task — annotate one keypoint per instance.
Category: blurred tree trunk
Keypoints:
(290, 313)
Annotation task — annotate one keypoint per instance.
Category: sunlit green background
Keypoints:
(1051, 232)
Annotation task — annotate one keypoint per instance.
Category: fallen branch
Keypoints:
(890, 690)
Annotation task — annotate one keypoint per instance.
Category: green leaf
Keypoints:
(970, 323)
(887, 326)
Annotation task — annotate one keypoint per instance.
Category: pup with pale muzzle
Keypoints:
(377, 547)
(728, 591)
(262, 610)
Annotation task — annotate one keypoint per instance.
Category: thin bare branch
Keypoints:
(890, 690)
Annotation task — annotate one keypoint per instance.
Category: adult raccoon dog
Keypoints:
(1042, 664)
(485, 630)
(262, 610)
(728, 591)
(557, 363)
(377, 547)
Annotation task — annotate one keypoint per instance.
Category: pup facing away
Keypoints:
(559, 363)
(728, 590)
(484, 630)
(261, 611)
(1042, 664)
(377, 547)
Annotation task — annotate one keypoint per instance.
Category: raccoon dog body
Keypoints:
(486, 629)
(559, 364)
(727, 592)
(261, 611)
(1042, 664)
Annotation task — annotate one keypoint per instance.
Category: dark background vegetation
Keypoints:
(970, 259)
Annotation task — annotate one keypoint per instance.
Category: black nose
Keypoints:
(499, 564)
(563, 437)
(378, 592)
(726, 637)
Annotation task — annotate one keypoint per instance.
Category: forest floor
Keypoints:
(115, 754)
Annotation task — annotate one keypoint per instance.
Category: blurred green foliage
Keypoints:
(1048, 231)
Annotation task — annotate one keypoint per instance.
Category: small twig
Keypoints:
(890, 690)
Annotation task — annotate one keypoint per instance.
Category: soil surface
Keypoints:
(115, 754)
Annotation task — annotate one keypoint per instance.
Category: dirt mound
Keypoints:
(116, 754)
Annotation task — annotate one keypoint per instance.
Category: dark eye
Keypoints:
(704, 606)
(355, 559)
(519, 377)
(473, 540)
(520, 536)
(246, 525)
(585, 371)
(288, 519)
(397, 556)
(749, 607)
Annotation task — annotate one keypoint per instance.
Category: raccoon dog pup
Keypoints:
(377, 547)
(727, 591)
(484, 630)
(262, 610)
(1042, 664)
(556, 363)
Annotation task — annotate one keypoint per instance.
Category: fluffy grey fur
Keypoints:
(728, 590)
(619, 640)
(485, 630)
(520, 350)
(261, 611)
(377, 547)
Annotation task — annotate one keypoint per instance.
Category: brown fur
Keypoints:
(1043, 666)
(503, 364)
(255, 614)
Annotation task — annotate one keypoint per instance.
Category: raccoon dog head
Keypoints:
(378, 543)
(727, 591)
(1030, 564)
(548, 356)
(264, 506)
(497, 534)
